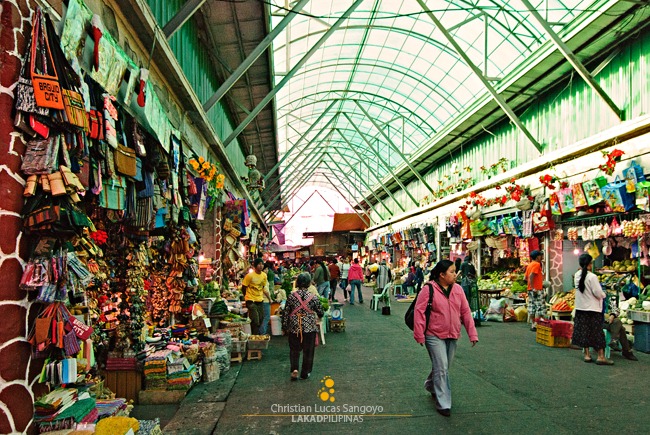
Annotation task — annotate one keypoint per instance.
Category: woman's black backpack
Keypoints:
(409, 317)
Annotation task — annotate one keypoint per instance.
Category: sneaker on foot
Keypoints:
(445, 412)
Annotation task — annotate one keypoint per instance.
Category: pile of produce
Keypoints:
(325, 303)
(219, 308)
(635, 228)
(563, 301)
(623, 266)
(561, 306)
(495, 281)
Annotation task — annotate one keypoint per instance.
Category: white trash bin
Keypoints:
(276, 325)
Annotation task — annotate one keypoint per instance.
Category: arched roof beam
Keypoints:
(370, 171)
(416, 35)
(433, 87)
(395, 149)
(267, 99)
(573, 60)
(498, 98)
(390, 171)
(352, 183)
(317, 100)
(305, 157)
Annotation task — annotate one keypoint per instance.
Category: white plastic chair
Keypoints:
(374, 304)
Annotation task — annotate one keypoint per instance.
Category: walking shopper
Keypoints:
(335, 274)
(468, 275)
(588, 321)
(345, 268)
(322, 279)
(535, 279)
(266, 302)
(440, 335)
(254, 289)
(355, 275)
(384, 276)
(300, 323)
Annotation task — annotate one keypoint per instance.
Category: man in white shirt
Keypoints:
(345, 268)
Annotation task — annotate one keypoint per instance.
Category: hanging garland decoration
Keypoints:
(611, 158)
(548, 181)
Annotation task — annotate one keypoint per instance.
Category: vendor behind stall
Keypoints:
(254, 288)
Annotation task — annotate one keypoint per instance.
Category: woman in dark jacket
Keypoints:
(300, 322)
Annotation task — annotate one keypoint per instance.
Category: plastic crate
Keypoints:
(239, 346)
(639, 316)
(642, 337)
(258, 344)
(543, 336)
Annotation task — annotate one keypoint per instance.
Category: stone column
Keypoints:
(17, 372)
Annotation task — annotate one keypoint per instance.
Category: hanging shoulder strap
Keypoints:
(427, 311)
(303, 304)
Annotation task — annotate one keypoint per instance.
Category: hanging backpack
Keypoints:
(409, 317)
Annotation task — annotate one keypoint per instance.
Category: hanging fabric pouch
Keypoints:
(71, 344)
(47, 89)
(41, 156)
(555, 204)
(113, 194)
(125, 161)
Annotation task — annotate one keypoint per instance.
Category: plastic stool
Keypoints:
(398, 289)
(608, 338)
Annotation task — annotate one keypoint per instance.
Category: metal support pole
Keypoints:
(573, 60)
(363, 160)
(290, 74)
(438, 240)
(384, 164)
(394, 147)
(188, 9)
(497, 97)
(255, 54)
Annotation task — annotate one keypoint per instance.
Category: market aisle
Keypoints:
(507, 383)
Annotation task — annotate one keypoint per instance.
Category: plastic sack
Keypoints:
(521, 313)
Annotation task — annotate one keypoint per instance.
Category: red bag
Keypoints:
(96, 124)
(81, 330)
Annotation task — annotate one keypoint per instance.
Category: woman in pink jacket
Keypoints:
(448, 308)
(355, 277)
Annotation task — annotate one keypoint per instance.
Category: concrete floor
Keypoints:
(507, 383)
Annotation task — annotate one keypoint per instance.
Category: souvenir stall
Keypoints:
(608, 218)
(110, 212)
